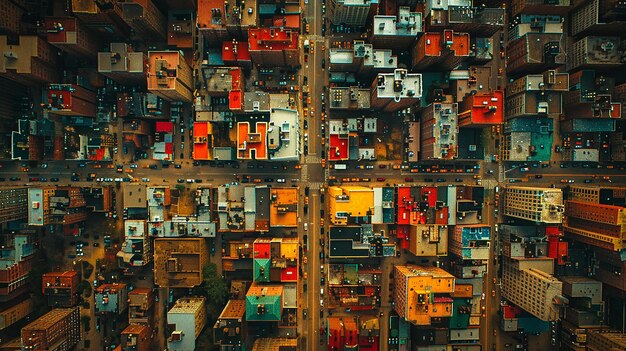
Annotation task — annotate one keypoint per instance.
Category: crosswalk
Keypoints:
(312, 159)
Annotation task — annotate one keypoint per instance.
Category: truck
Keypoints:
(341, 166)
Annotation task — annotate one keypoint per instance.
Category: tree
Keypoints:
(214, 286)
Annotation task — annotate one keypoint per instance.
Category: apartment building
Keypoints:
(532, 289)
(188, 318)
(31, 60)
(470, 242)
(136, 249)
(273, 47)
(16, 261)
(140, 306)
(178, 262)
(145, 18)
(481, 109)
(58, 329)
(349, 202)
(445, 50)
(14, 204)
(439, 132)
(422, 293)
(60, 288)
(394, 91)
(229, 329)
(136, 337)
(537, 94)
(69, 35)
(350, 12)
(396, 31)
(111, 298)
(542, 205)
(102, 19)
(122, 64)
(169, 76)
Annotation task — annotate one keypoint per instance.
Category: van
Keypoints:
(306, 226)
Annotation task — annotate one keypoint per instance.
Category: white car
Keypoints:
(99, 179)
(280, 180)
(189, 180)
(145, 180)
(322, 302)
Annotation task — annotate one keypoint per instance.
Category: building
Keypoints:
(540, 7)
(394, 91)
(235, 53)
(32, 60)
(264, 303)
(542, 205)
(471, 242)
(532, 289)
(16, 261)
(102, 19)
(140, 303)
(181, 28)
(58, 330)
(229, 329)
(11, 15)
(350, 12)
(122, 64)
(439, 132)
(69, 34)
(445, 50)
(422, 293)
(596, 216)
(61, 288)
(169, 76)
(284, 207)
(351, 286)
(589, 99)
(397, 32)
(67, 205)
(536, 94)
(135, 196)
(14, 204)
(187, 318)
(275, 344)
(252, 141)
(482, 109)
(136, 337)
(136, 249)
(339, 141)
(598, 340)
(358, 241)
(349, 204)
(111, 298)
(343, 334)
(275, 260)
(283, 135)
(349, 98)
(178, 262)
(18, 309)
(70, 100)
(535, 52)
(527, 139)
(273, 47)
(146, 20)
(595, 52)
(596, 17)
(219, 20)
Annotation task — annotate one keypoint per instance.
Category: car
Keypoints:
(458, 180)
(440, 180)
(321, 255)
(280, 180)
(538, 176)
(75, 178)
(44, 165)
(198, 180)
(134, 165)
(380, 179)
(177, 166)
(54, 179)
(145, 179)
(14, 179)
(179, 180)
(322, 281)
(322, 243)
(33, 179)
(269, 180)
(588, 181)
(43, 179)
(154, 166)
(96, 244)
(408, 179)
(369, 167)
(189, 180)
(323, 63)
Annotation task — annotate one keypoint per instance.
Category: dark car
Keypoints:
(153, 166)
(177, 166)
(269, 180)
(180, 180)
(75, 178)
(198, 180)
(14, 179)
(54, 179)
